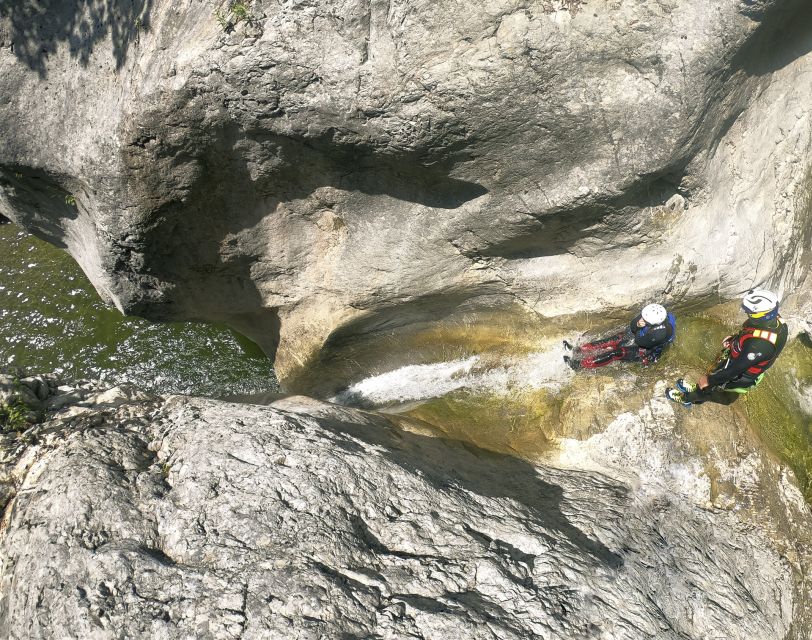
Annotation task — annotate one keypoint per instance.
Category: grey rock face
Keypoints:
(194, 518)
(326, 169)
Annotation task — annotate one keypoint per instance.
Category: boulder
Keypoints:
(198, 518)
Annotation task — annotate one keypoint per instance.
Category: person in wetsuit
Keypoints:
(644, 341)
(745, 358)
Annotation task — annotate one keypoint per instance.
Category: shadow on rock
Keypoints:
(453, 466)
(38, 28)
(556, 232)
(784, 35)
(221, 182)
(28, 192)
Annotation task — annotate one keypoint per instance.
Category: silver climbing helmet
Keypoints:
(760, 303)
(654, 313)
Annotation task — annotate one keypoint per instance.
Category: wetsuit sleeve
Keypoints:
(648, 338)
(739, 361)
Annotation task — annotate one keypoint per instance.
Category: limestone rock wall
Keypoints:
(146, 518)
(325, 169)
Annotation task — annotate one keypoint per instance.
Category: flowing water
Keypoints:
(497, 381)
(524, 399)
(540, 370)
(52, 320)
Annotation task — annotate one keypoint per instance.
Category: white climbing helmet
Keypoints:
(654, 313)
(757, 303)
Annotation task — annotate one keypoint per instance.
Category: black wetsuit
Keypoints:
(752, 351)
(636, 344)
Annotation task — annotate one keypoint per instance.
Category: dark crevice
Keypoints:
(480, 607)
(411, 176)
(504, 548)
(340, 578)
(427, 605)
(783, 35)
(365, 535)
(158, 555)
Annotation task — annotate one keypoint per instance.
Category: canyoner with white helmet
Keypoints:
(644, 341)
(654, 314)
(760, 303)
(745, 356)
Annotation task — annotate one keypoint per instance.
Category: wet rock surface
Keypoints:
(191, 517)
(313, 172)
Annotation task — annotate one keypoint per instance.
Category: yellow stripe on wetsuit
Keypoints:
(766, 335)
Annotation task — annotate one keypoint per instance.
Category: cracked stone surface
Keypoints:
(331, 168)
(197, 518)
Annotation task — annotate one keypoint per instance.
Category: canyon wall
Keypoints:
(309, 172)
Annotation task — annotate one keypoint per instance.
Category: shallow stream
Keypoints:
(52, 320)
(505, 386)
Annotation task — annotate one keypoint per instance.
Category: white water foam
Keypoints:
(544, 369)
(640, 447)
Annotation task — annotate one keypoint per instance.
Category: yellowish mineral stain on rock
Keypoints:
(529, 422)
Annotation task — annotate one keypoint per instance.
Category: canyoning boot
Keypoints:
(684, 386)
(567, 345)
(675, 395)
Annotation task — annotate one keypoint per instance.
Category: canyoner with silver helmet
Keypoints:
(745, 356)
(643, 341)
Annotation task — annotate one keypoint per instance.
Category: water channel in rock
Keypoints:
(52, 320)
(494, 380)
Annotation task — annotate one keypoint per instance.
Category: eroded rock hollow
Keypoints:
(311, 171)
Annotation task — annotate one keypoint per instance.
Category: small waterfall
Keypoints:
(477, 374)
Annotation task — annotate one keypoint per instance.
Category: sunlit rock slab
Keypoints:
(193, 517)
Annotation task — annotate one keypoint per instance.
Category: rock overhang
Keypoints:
(314, 167)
